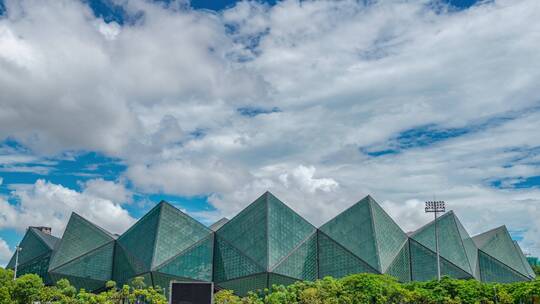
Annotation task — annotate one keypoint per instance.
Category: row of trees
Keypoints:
(353, 289)
(30, 288)
(375, 289)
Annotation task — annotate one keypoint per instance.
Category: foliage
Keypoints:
(378, 289)
(353, 289)
(29, 288)
(536, 269)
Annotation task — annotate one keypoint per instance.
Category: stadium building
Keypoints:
(267, 243)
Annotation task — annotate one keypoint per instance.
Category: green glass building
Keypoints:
(267, 243)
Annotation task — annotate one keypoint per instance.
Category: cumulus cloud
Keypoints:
(351, 84)
(48, 204)
(5, 253)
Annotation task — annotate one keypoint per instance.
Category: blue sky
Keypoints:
(115, 106)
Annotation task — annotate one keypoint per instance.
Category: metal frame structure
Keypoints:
(268, 243)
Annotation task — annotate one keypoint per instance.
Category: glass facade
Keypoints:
(267, 243)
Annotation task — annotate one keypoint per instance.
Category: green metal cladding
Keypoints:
(36, 254)
(267, 243)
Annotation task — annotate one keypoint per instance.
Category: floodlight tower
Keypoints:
(17, 250)
(436, 207)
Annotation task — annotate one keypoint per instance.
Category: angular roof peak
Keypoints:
(218, 224)
(50, 240)
(361, 229)
(80, 237)
(258, 231)
(498, 244)
(457, 246)
(162, 233)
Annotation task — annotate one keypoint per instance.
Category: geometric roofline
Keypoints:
(479, 242)
(498, 236)
(59, 258)
(41, 237)
(215, 226)
(483, 238)
(428, 224)
(384, 252)
(468, 251)
(49, 240)
(111, 235)
(269, 202)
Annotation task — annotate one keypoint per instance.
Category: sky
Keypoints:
(108, 107)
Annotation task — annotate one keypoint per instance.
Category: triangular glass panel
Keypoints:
(79, 238)
(231, 263)
(33, 247)
(498, 244)
(388, 235)
(400, 267)
(140, 238)
(336, 261)
(493, 271)
(194, 263)
(95, 265)
(248, 231)
(451, 245)
(286, 229)
(354, 230)
(176, 232)
(424, 264)
(302, 261)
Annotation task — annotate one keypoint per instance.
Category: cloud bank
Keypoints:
(320, 102)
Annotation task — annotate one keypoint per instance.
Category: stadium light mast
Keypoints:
(436, 207)
(17, 250)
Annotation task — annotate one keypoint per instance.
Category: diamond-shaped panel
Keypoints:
(336, 261)
(302, 262)
(194, 262)
(231, 263)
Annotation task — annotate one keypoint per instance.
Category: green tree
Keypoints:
(138, 283)
(226, 296)
(27, 288)
(536, 270)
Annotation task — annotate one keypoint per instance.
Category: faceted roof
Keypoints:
(456, 245)
(161, 234)
(215, 226)
(80, 237)
(273, 229)
(499, 244)
(50, 240)
(368, 232)
(34, 244)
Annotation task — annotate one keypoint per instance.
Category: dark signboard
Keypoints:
(191, 293)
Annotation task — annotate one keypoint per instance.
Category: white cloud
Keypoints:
(162, 94)
(48, 204)
(5, 253)
(109, 190)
